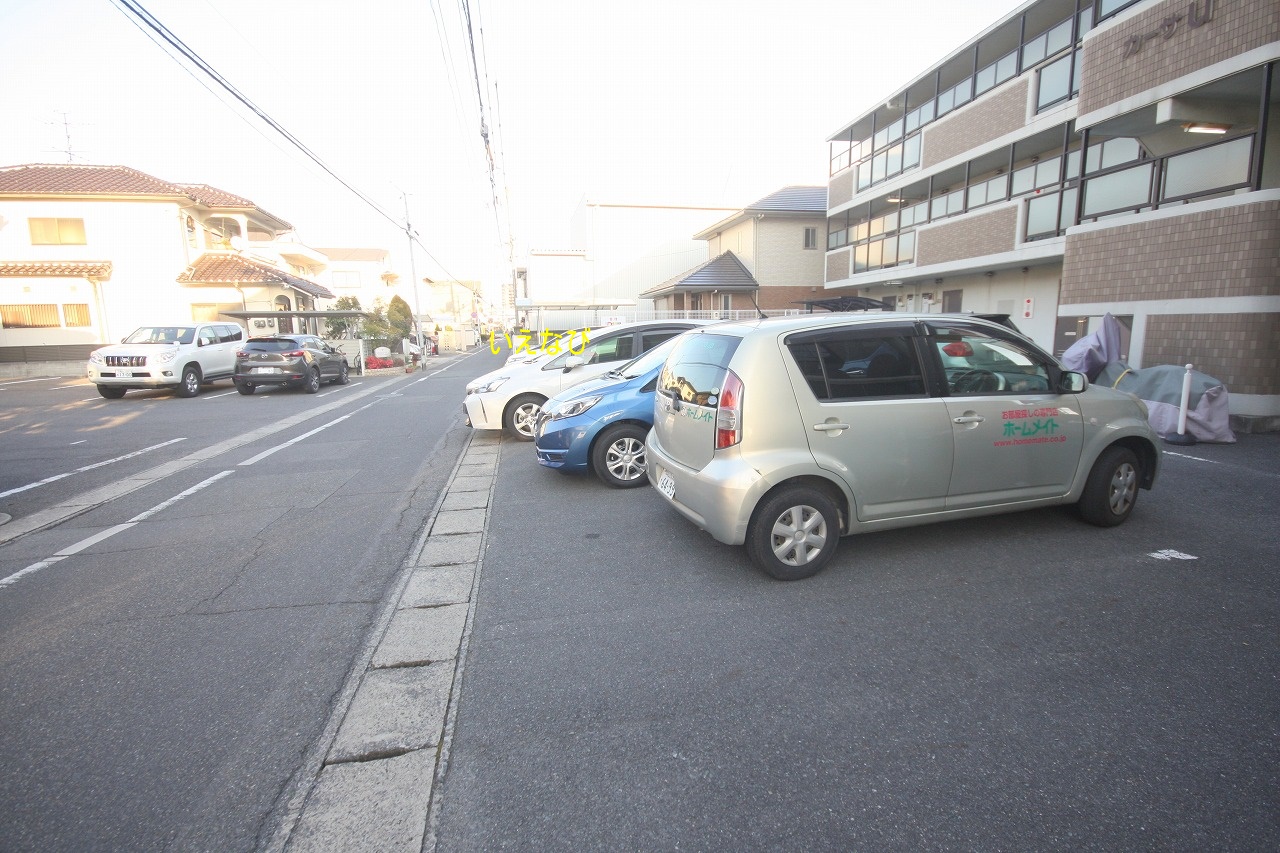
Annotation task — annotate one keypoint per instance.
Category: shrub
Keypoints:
(372, 362)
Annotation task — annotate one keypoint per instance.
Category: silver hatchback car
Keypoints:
(787, 433)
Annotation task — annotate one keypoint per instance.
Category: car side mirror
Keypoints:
(1071, 382)
(573, 361)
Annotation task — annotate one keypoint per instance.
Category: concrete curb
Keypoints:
(389, 743)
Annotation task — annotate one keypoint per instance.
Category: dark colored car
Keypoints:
(296, 361)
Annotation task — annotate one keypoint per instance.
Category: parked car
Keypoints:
(786, 434)
(600, 425)
(180, 356)
(510, 397)
(297, 361)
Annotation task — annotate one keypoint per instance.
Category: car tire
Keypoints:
(618, 456)
(312, 383)
(344, 375)
(111, 392)
(520, 416)
(1112, 488)
(189, 384)
(793, 534)
(245, 388)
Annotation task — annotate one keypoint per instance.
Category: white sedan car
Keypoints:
(510, 397)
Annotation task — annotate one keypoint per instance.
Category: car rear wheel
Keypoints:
(312, 383)
(189, 385)
(111, 393)
(521, 416)
(618, 457)
(245, 388)
(793, 534)
(1112, 488)
(343, 374)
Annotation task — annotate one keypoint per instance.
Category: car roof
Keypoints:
(800, 322)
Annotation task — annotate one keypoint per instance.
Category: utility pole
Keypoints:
(413, 271)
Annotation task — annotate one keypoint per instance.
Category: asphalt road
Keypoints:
(171, 646)
(1024, 682)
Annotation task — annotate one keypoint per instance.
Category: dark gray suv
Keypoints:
(298, 361)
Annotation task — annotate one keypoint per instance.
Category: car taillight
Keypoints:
(241, 354)
(729, 412)
(295, 354)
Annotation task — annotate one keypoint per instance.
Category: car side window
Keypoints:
(599, 351)
(857, 366)
(976, 364)
(229, 333)
(649, 340)
(207, 336)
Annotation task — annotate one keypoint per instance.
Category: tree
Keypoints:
(400, 318)
(375, 322)
(343, 327)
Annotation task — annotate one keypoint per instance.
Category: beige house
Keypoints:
(769, 253)
(88, 253)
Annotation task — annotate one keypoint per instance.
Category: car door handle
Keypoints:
(830, 427)
(969, 419)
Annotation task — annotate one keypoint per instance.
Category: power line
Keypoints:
(141, 15)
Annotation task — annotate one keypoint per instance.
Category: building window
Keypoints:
(811, 238)
(76, 315)
(29, 316)
(57, 232)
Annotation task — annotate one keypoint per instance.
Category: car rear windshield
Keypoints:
(695, 370)
(272, 345)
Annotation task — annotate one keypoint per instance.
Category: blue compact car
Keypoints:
(601, 424)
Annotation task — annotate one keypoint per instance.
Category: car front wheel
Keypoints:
(110, 392)
(793, 534)
(1112, 488)
(618, 457)
(189, 385)
(521, 416)
(312, 383)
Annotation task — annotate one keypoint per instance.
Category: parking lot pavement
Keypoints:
(1018, 682)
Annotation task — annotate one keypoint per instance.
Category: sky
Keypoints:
(670, 102)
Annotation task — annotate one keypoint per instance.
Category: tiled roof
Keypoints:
(61, 269)
(75, 179)
(799, 199)
(230, 268)
(80, 180)
(723, 272)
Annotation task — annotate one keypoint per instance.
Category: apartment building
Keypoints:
(1077, 158)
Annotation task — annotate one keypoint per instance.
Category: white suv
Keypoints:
(510, 397)
(786, 434)
(181, 357)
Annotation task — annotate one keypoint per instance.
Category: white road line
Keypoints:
(110, 531)
(81, 441)
(82, 469)
(24, 381)
(1186, 456)
(216, 396)
(76, 385)
(1170, 554)
(270, 450)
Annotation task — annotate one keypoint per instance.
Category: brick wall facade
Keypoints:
(780, 297)
(1242, 350)
(1229, 252)
(840, 189)
(838, 265)
(1108, 75)
(989, 118)
(972, 237)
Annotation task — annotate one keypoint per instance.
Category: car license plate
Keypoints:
(266, 370)
(124, 374)
(667, 485)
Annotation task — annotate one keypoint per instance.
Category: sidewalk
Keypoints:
(368, 783)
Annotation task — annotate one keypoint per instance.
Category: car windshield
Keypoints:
(650, 360)
(161, 335)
